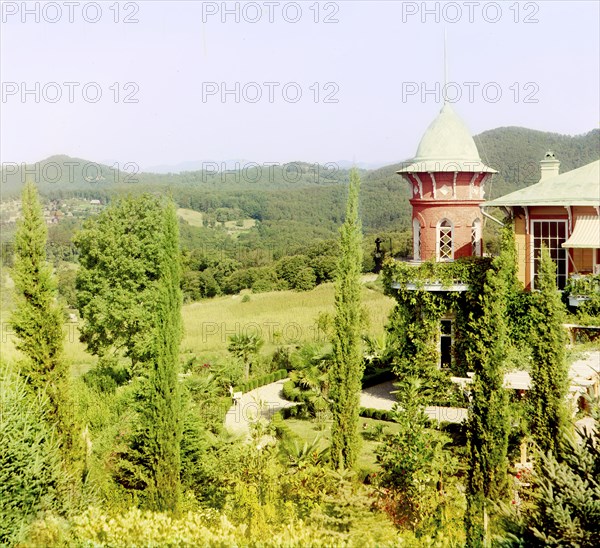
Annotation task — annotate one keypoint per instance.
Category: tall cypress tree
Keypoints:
(129, 295)
(488, 425)
(37, 319)
(347, 368)
(162, 413)
(549, 374)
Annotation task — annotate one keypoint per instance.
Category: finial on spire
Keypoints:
(445, 69)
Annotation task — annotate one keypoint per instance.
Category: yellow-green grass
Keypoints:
(279, 317)
(74, 350)
(192, 217)
(308, 430)
(247, 224)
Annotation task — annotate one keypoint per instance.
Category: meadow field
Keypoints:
(193, 218)
(279, 317)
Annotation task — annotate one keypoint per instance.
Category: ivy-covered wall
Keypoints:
(414, 323)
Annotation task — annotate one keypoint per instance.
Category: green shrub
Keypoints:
(107, 375)
(289, 391)
(32, 478)
(281, 359)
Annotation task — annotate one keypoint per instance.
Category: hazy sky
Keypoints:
(361, 76)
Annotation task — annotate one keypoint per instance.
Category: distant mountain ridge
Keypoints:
(198, 165)
(306, 196)
(514, 151)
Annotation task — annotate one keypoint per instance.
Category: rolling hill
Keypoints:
(300, 193)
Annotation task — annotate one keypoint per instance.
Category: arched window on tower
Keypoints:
(476, 238)
(445, 245)
(416, 240)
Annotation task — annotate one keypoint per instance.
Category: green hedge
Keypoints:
(377, 378)
(292, 393)
(262, 381)
(376, 414)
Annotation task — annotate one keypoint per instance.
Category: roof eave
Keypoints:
(522, 203)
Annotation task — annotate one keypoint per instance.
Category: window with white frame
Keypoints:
(476, 238)
(445, 246)
(553, 234)
(416, 240)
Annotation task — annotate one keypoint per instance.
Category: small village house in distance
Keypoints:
(561, 211)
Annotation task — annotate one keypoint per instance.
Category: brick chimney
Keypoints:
(549, 166)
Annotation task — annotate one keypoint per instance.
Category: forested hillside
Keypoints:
(309, 194)
(248, 221)
(516, 152)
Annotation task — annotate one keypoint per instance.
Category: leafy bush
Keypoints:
(266, 280)
(290, 392)
(106, 375)
(295, 270)
(566, 498)
(281, 359)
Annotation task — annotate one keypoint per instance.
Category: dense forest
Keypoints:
(297, 202)
(312, 194)
(292, 210)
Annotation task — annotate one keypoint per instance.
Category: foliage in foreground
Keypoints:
(566, 499)
(488, 424)
(32, 477)
(549, 373)
(417, 486)
(135, 528)
(37, 321)
(130, 298)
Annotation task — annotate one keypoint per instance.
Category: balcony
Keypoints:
(581, 289)
(443, 277)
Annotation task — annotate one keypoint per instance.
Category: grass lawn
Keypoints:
(280, 317)
(308, 430)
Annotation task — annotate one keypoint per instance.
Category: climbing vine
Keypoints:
(414, 324)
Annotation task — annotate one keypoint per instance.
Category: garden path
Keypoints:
(248, 409)
(381, 396)
(239, 417)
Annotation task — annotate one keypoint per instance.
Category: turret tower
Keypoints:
(447, 179)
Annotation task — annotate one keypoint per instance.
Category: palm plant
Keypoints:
(300, 456)
(245, 347)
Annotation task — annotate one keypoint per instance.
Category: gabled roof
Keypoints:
(579, 187)
(447, 145)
